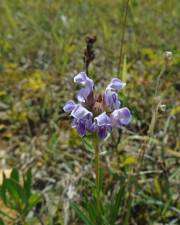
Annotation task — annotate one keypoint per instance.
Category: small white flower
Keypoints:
(162, 107)
(168, 55)
(71, 192)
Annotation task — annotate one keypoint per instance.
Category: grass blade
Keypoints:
(81, 215)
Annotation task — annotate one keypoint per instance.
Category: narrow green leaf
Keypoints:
(28, 183)
(92, 211)
(15, 175)
(53, 141)
(81, 215)
(105, 220)
(1, 222)
(33, 200)
(124, 70)
(88, 145)
(117, 202)
(131, 182)
(3, 192)
(16, 191)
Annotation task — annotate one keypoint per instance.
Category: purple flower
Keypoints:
(121, 117)
(82, 119)
(90, 114)
(84, 80)
(111, 97)
(115, 84)
(102, 125)
(69, 106)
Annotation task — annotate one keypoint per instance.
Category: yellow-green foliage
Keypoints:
(42, 44)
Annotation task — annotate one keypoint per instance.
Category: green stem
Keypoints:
(97, 170)
(97, 165)
(159, 79)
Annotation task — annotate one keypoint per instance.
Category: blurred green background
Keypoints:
(42, 44)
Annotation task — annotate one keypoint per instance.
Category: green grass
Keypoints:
(41, 48)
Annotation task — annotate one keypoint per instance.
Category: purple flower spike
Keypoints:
(121, 117)
(105, 106)
(69, 106)
(83, 79)
(82, 119)
(102, 125)
(111, 99)
(115, 84)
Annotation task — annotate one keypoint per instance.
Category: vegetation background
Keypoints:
(42, 44)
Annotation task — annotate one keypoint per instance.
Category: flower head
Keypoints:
(97, 113)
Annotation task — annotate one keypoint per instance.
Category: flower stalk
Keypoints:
(97, 167)
(97, 170)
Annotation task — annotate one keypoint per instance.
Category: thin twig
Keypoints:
(159, 78)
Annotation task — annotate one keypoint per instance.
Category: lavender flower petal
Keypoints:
(102, 132)
(103, 120)
(121, 117)
(79, 112)
(115, 84)
(82, 94)
(111, 100)
(69, 106)
(81, 128)
(83, 79)
(102, 125)
(82, 119)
